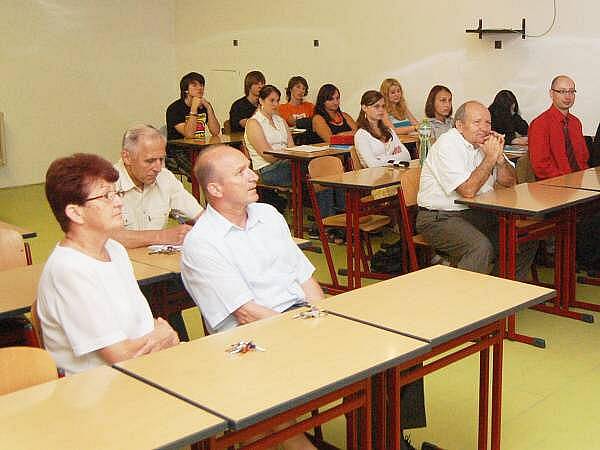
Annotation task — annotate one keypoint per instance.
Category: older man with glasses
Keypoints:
(557, 147)
(556, 143)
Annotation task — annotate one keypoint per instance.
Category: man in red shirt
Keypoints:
(556, 143)
(557, 147)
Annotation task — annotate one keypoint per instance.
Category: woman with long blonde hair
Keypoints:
(399, 118)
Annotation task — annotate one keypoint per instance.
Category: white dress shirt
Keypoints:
(224, 266)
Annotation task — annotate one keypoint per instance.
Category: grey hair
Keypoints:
(133, 135)
(461, 112)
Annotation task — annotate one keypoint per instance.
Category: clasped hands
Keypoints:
(493, 147)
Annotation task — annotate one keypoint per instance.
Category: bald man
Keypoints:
(557, 147)
(556, 142)
(464, 162)
(240, 263)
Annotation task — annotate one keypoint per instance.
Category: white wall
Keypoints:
(75, 74)
(420, 43)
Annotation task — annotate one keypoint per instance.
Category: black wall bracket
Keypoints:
(481, 31)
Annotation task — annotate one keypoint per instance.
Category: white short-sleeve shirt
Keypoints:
(374, 153)
(149, 208)
(85, 305)
(277, 137)
(449, 163)
(224, 267)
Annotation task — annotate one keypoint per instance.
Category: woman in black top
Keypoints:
(507, 120)
(329, 119)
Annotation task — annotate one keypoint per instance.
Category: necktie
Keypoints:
(569, 147)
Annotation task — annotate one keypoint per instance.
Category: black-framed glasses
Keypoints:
(110, 196)
(565, 91)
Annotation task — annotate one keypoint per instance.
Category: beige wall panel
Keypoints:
(75, 74)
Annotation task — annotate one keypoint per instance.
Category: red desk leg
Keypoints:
(379, 395)
(564, 271)
(296, 167)
(484, 390)
(572, 301)
(353, 238)
(479, 341)
(507, 243)
(392, 423)
(497, 393)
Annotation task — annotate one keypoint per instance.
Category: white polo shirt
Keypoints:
(449, 163)
(148, 209)
(224, 267)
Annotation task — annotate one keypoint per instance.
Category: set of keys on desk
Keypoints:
(249, 346)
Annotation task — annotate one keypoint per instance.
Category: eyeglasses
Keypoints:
(565, 91)
(110, 196)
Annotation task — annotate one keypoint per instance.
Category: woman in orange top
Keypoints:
(296, 108)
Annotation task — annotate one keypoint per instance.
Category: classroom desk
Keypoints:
(307, 364)
(195, 146)
(297, 160)
(18, 289)
(146, 274)
(447, 307)
(166, 261)
(172, 261)
(409, 138)
(588, 179)
(25, 234)
(18, 286)
(558, 205)
(101, 409)
(357, 183)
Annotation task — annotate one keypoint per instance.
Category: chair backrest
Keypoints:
(226, 127)
(407, 197)
(524, 171)
(12, 249)
(324, 166)
(356, 164)
(22, 367)
(37, 326)
(410, 185)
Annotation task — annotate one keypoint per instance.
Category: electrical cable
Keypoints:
(549, 28)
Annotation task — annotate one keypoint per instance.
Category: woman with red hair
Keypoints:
(90, 306)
